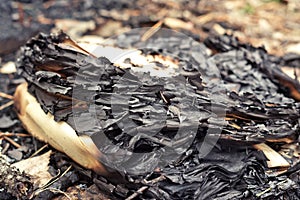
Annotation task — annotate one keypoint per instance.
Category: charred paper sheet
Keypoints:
(175, 120)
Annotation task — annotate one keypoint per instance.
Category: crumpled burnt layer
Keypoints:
(142, 121)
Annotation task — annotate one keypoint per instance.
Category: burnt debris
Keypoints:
(236, 96)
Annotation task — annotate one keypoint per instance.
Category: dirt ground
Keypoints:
(272, 24)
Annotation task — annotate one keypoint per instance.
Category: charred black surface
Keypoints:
(249, 95)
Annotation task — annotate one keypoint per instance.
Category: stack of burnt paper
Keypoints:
(171, 117)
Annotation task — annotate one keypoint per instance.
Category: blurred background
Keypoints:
(271, 23)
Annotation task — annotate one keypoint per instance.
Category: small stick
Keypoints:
(47, 185)
(7, 96)
(163, 97)
(39, 150)
(152, 30)
(5, 148)
(12, 142)
(14, 134)
(69, 41)
(6, 105)
(160, 178)
(138, 192)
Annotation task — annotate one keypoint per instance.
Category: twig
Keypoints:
(5, 148)
(152, 30)
(56, 178)
(138, 192)
(47, 185)
(71, 42)
(12, 142)
(7, 135)
(7, 96)
(14, 134)
(155, 180)
(39, 150)
(163, 97)
(6, 105)
(142, 189)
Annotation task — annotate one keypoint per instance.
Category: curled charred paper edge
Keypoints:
(60, 135)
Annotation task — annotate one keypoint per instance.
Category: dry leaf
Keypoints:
(37, 167)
